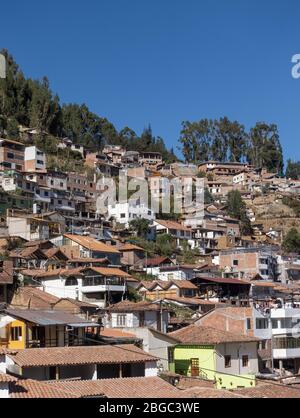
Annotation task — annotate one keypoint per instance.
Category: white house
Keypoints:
(35, 159)
(97, 285)
(126, 212)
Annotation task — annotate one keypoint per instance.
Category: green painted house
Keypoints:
(203, 352)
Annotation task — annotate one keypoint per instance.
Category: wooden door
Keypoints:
(195, 369)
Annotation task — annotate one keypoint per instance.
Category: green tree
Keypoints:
(208, 197)
(293, 170)
(291, 242)
(236, 208)
(265, 149)
(165, 245)
(140, 226)
(12, 129)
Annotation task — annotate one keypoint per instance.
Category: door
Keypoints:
(195, 369)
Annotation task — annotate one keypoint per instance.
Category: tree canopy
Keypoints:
(227, 141)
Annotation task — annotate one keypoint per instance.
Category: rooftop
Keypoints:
(92, 244)
(72, 356)
(132, 387)
(48, 317)
(200, 335)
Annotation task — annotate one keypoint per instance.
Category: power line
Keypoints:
(204, 369)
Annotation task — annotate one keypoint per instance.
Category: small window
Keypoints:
(235, 262)
(10, 155)
(248, 323)
(227, 361)
(245, 361)
(121, 320)
(16, 333)
(123, 215)
(71, 281)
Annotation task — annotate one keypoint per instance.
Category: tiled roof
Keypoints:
(6, 378)
(184, 284)
(132, 387)
(92, 244)
(115, 333)
(207, 393)
(35, 389)
(201, 335)
(88, 261)
(181, 284)
(28, 253)
(189, 301)
(32, 297)
(221, 280)
(111, 271)
(79, 271)
(130, 247)
(55, 252)
(80, 304)
(173, 225)
(127, 306)
(7, 274)
(4, 351)
(267, 390)
(72, 356)
(156, 261)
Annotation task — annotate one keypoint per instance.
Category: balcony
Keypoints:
(103, 284)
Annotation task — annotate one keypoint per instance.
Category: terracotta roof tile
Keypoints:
(127, 306)
(71, 356)
(197, 334)
(133, 387)
(92, 244)
(35, 389)
(130, 247)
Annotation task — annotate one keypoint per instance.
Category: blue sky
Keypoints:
(164, 61)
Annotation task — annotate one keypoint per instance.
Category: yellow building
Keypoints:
(229, 360)
(42, 328)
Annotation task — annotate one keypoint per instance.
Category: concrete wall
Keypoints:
(237, 351)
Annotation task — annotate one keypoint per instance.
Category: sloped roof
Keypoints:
(127, 306)
(130, 247)
(201, 335)
(72, 356)
(132, 387)
(92, 244)
(35, 389)
(173, 225)
(157, 261)
(48, 317)
(28, 296)
(7, 273)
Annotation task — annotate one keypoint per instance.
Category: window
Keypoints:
(275, 323)
(40, 162)
(16, 333)
(227, 360)
(235, 262)
(248, 323)
(261, 323)
(123, 215)
(245, 361)
(121, 320)
(10, 155)
(262, 345)
(71, 281)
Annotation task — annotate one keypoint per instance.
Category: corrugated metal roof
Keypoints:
(48, 317)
